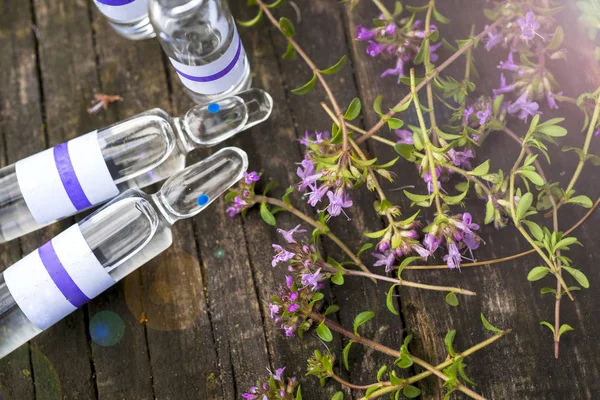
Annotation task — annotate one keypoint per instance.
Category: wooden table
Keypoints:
(195, 320)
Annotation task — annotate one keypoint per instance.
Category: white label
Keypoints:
(217, 76)
(65, 179)
(123, 10)
(56, 279)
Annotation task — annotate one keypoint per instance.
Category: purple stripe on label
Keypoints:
(69, 178)
(60, 276)
(115, 2)
(219, 74)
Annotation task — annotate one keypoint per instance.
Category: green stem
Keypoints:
(309, 220)
(428, 66)
(383, 10)
(428, 145)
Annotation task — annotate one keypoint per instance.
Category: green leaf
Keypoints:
(411, 391)
(364, 248)
(402, 107)
(275, 4)
(253, 21)
(481, 169)
(439, 17)
(324, 332)
(489, 211)
(523, 205)
(395, 123)
(535, 230)
(331, 309)
(380, 373)
(307, 87)
(581, 200)
(299, 394)
(455, 199)
(564, 328)
(415, 9)
(346, 353)
(547, 290)
(389, 301)
(557, 39)
(548, 325)
(417, 198)
(338, 396)
(271, 185)
(533, 176)
(489, 326)
(404, 361)
(578, 275)
(376, 235)
(552, 130)
(286, 27)
(452, 299)
(361, 319)
(448, 340)
(377, 105)
(353, 109)
(286, 197)
(266, 215)
(335, 68)
(290, 52)
(230, 196)
(537, 273)
(566, 242)
(423, 50)
(338, 278)
(406, 151)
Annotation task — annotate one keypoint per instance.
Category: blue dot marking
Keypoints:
(203, 200)
(214, 108)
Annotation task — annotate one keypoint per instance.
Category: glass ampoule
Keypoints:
(129, 18)
(202, 42)
(134, 153)
(89, 257)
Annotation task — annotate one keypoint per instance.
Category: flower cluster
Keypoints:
(526, 35)
(456, 233)
(330, 180)
(396, 40)
(273, 387)
(242, 197)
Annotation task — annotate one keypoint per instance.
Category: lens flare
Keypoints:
(107, 328)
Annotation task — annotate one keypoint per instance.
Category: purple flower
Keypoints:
(308, 175)
(306, 140)
(374, 49)
(421, 251)
(289, 281)
(281, 255)
(483, 115)
(278, 373)
(390, 29)
(509, 64)
(524, 107)
(529, 26)
(363, 33)
(317, 194)
(398, 71)
(387, 259)
(289, 235)
(453, 257)
(504, 88)
(273, 310)
(250, 396)
(493, 39)
(251, 177)
(337, 202)
(461, 158)
(384, 245)
(406, 137)
(293, 308)
(432, 48)
(431, 242)
(289, 330)
(597, 133)
(421, 34)
(237, 207)
(309, 279)
(427, 177)
(551, 100)
(468, 112)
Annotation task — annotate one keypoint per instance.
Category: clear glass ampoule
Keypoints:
(203, 44)
(88, 258)
(129, 18)
(134, 153)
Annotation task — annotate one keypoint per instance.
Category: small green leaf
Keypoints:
(275, 4)
(299, 394)
(578, 275)
(266, 215)
(411, 391)
(452, 299)
(404, 361)
(286, 27)
(290, 52)
(338, 278)
(489, 211)
(448, 340)
(307, 87)
(581, 200)
(549, 326)
(380, 373)
(439, 17)
(389, 301)
(481, 169)
(417, 198)
(353, 110)
(377, 105)
(535, 230)
(523, 205)
(489, 326)
(564, 328)
(406, 151)
(253, 21)
(376, 235)
(346, 353)
(455, 199)
(537, 273)
(415, 9)
(402, 107)
(533, 176)
(557, 39)
(324, 332)
(286, 197)
(547, 290)
(230, 196)
(395, 123)
(338, 396)
(335, 68)
(331, 309)
(552, 130)
(364, 248)
(423, 50)
(361, 319)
